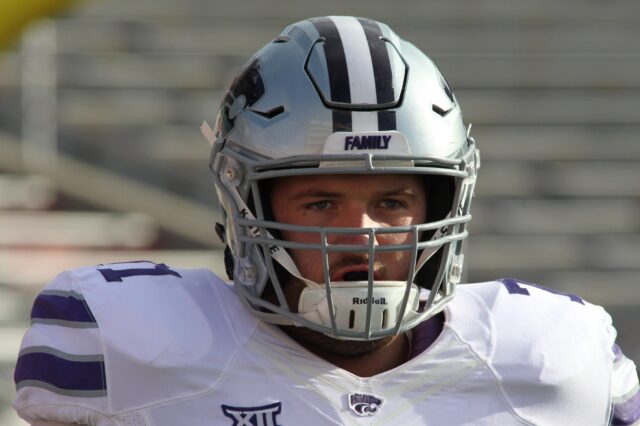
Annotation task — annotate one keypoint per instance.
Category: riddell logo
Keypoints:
(366, 142)
(374, 301)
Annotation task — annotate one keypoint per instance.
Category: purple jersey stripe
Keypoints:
(519, 287)
(628, 412)
(69, 307)
(61, 373)
(617, 352)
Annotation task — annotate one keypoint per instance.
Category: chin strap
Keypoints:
(278, 253)
(350, 304)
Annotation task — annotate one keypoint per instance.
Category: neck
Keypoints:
(388, 357)
(384, 357)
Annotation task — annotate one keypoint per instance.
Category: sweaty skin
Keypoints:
(354, 201)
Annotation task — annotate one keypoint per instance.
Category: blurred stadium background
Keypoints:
(101, 158)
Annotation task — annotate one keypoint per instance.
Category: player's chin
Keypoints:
(319, 342)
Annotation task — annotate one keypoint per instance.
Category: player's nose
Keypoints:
(356, 217)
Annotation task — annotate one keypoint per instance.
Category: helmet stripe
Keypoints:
(336, 60)
(342, 120)
(380, 60)
(381, 70)
(358, 57)
(359, 71)
(336, 70)
(386, 120)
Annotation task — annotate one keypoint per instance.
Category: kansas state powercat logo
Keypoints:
(253, 416)
(363, 404)
(246, 90)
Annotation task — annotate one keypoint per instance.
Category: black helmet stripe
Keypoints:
(380, 60)
(381, 72)
(386, 120)
(355, 45)
(336, 70)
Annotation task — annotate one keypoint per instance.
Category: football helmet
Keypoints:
(341, 95)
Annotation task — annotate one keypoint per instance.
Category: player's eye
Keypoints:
(318, 205)
(391, 203)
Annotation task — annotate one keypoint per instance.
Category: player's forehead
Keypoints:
(356, 184)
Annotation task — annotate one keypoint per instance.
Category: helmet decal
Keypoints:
(450, 96)
(246, 89)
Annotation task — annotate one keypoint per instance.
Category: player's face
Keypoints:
(353, 201)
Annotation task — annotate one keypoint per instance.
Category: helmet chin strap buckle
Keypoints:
(455, 271)
(245, 272)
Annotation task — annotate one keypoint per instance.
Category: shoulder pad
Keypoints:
(114, 337)
(541, 345)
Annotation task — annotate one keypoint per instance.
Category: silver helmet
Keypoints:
(341, 95)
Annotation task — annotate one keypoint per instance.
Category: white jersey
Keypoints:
(143, 344)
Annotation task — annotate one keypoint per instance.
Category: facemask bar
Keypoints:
(252, 232)
(325, 248)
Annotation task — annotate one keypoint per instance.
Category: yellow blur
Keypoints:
(15, 15)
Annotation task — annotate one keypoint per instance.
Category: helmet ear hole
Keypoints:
(440, 192)
(440, 195)
(426, 276)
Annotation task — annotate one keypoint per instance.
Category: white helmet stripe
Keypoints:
(364, 121)
(359, 72)
(380, 61)
(338, 75)
(362, 83)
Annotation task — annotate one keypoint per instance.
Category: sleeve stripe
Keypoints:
(63, 323)
(66, 372)
(66, 392)
(628, 412)
(60, 354)
(625, 391)
(617, 352)
(61, 306)
(625, 379)
(81, 341)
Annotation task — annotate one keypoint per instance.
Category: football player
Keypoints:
(346, 175)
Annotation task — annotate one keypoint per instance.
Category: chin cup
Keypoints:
(350, 302)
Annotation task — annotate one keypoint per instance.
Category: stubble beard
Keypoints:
(320, 343)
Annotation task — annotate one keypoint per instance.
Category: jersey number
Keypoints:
(514, 287)
(113, 275)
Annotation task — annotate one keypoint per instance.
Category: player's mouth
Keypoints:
(355, 273)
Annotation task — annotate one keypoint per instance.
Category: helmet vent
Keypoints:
(441, 112)
(272, 113)
(352, 318)
(281, 39)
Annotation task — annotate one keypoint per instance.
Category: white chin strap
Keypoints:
(349, 301)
